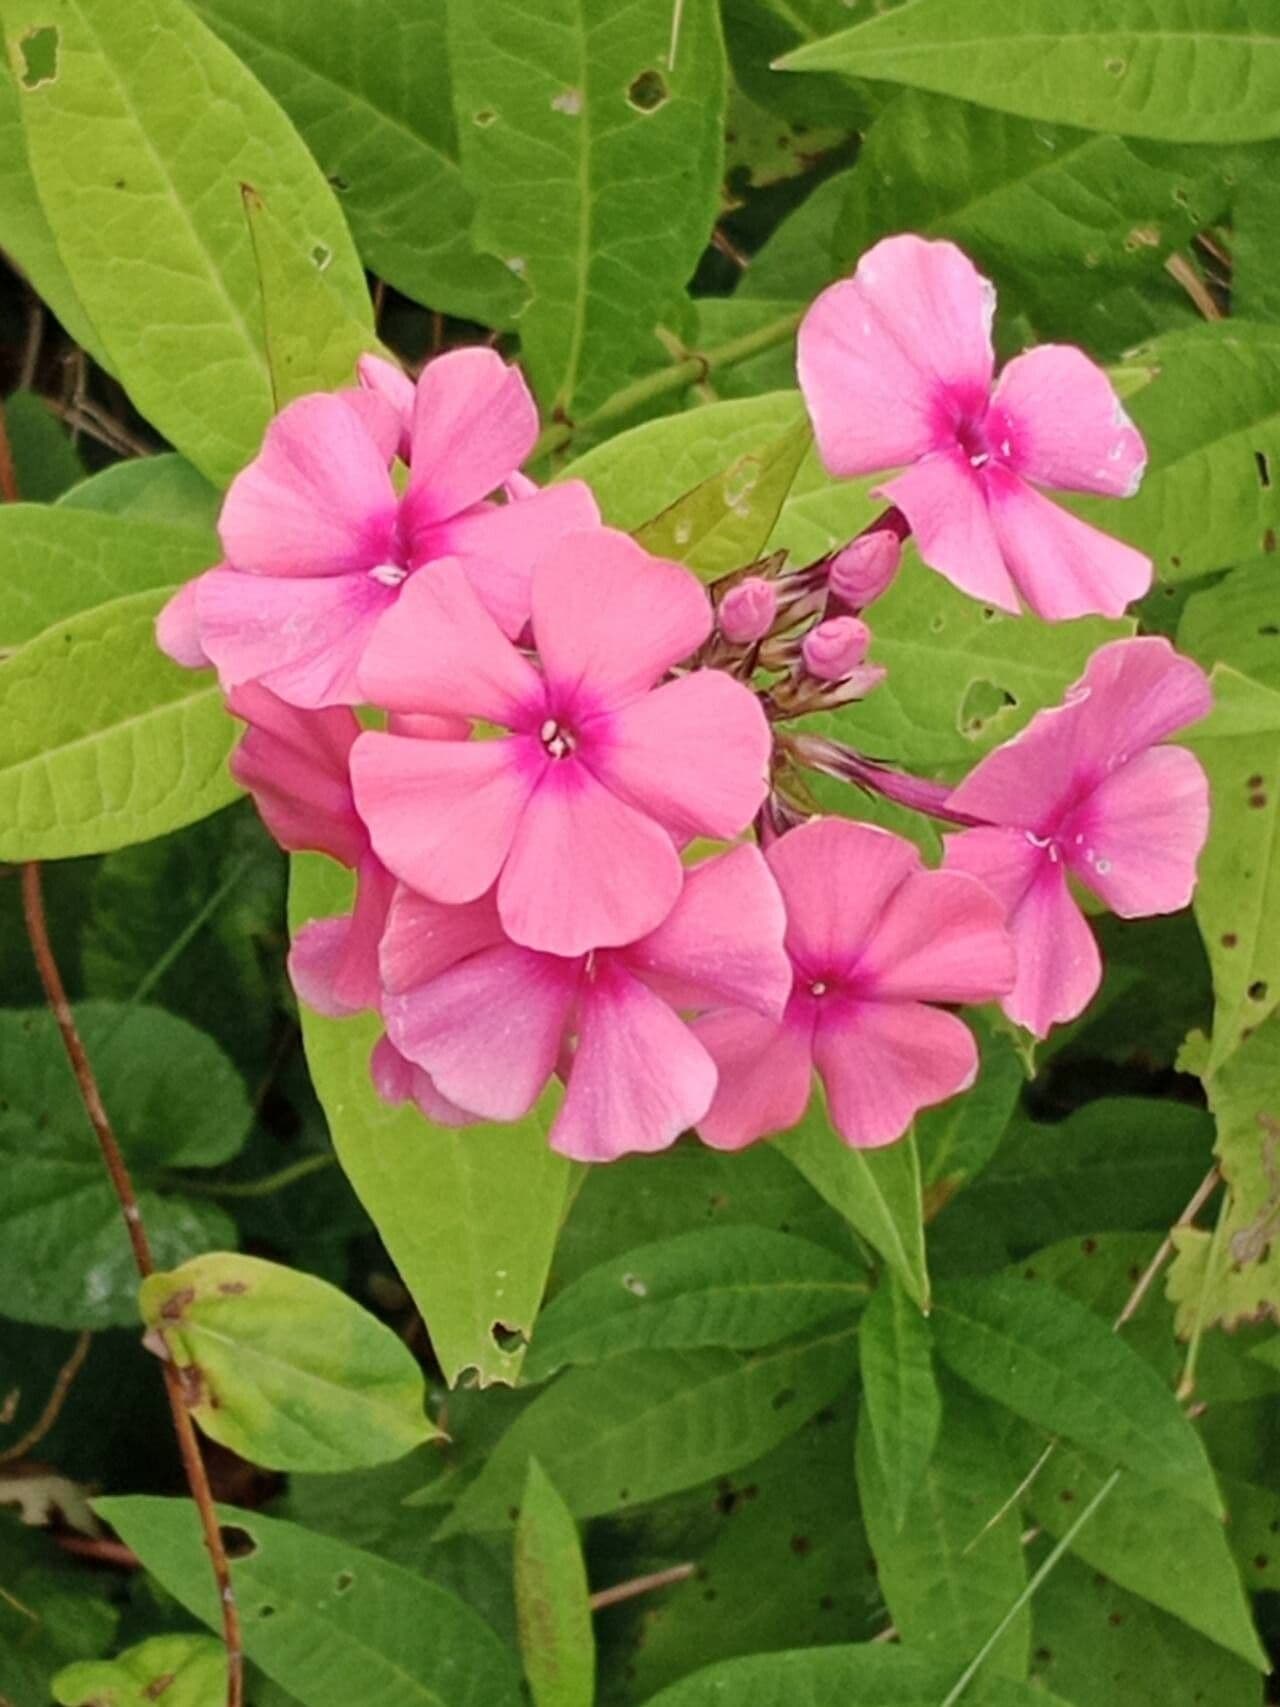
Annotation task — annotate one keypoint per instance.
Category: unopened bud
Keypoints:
(747, 611)
(835, 648)
(865, 568)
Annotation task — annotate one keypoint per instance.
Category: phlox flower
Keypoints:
(490, 1021)
(873, 939)
(319, 544)
(575, 812)
(896, 366)
(1086, 791)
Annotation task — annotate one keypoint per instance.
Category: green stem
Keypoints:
(267, 1186)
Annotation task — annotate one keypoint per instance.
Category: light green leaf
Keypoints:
(329, 1623)
(45, 462)
(556, 1639)
(283, 1368)
(104, 741)
(189, 1671)
(900, 1394)
(634, 1428)
(596, 161)
(740, 1287)
(174, 1100)
(162, 488)
(147, 213)
(1236, 623)
(1031, 1348)
(1199, 71)
(474, 1272)
(870, 1675)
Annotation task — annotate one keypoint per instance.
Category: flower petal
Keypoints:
(941, 938)
(881, 1062)
(178, 629)
(424, 938)
(296, 766)
(474, 422)
(315, 955)
(397, 1080)
(1065, 426)
(945, 502)
(1063, 567)
(765, 1075)
(836, 877)
(1136, 839)
(391, 385)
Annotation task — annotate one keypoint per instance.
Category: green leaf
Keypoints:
(596, 160)
(56, 561)
(556, 1638)
(1203, 71)
(1255, 1523)
(284, 1369)
(189, 1671)
(52, 1612)
(152, 228)
(637, 1427)
(1255, 273)
(1048, 1359)
(329, 1623)
(957, 1140)
(45, 462)
(739, 1287)
(900, 1394)
(877, 1191)
(872, 1675)
(174, 1100)
(1235, 623)
(380, 123)
(104, 741)
(473, 1272)
(164, 488)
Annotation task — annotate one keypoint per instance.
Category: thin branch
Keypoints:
(641, 1585)
(1015, 1498)
(1187, 1385)
(1203, 1192)
(53, 1405)
(267, 1185)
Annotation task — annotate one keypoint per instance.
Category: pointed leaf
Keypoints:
(556, 1638)
(899, 1392)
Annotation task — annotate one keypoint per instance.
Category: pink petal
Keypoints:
(424, 938)
(426, 726)
(488, 1030)
(178, 629)
(1136, 839)
(765, 1075)
(296, 765)
(315, 956)
(609, 619)
(836, 878)
(356, 983)
(694, 754)
(721, 944)
(639, 1077)
(941, 938)
(388, 382)
(882, 1062)
(586, 870)
(303, 639)
(316, 500)
(1063, 567)
(441, 814)
(380, 419)
(889, 358)
(474, 422)
(945, 502)
(439, 650)
(397, 1080)
(1065, 425)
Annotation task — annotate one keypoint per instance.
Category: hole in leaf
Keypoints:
(1258, 991)
(39, 50)
(648, 91)
(321, 255)
(343, 1582)
(484, 118)
(237, 1543)
(983, 701)
(508, 1339)
(1264, 467)
(266, 1612)
(783, 1398)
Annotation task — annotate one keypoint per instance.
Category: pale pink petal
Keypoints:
(441, 814)
(296, 765)
(722, 943)
(694, 754)
(474, 422)
(945, 502)
(488, 1029)
(1136, 839)
(315, 956)
(765, 1074)
(178, 629)
(380, 420)
(609, 619)
(1134, 693)
(882, 1062)
(836, 877)
(397, 1080)
(316, 500)
(440, 651)
(518, 486)
(1064, 425)
(586, 870)
(639, 1076)
(1063, 567)
(423, 938)
(388, 382)
(426, 726)
(356, 983)
(941, 938)
(1005, 861)
(1031, 780)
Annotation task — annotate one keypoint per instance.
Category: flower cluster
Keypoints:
(559, 723)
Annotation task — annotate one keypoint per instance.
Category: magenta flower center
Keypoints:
(559, 741)
(985, 437)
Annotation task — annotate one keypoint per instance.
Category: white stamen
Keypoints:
(979, 460)
(388, 574)
(817, 988)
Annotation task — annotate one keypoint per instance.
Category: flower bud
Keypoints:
(865, 568)
(835, 648)
(747, 611)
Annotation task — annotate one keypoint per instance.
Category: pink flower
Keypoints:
(576, 813)
(747, 611)
(397, 1080)
(319, 546)
(1085, 791)
(865, 568)
(873, 937)
(834, 649)
(490, 1021)
(896, 367)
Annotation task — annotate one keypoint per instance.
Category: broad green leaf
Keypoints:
(557, 1642)
(759, 32)
(474, 1272)
(45, 462)
(798, 257)
(877, 1191)
(163, 488)
(147, 212)
(329, 1623)
(103, 741)
(1048, 1359)
(637, 1427)
(284, 1369)
(56, 561)
(739, 1287)
(174, 1100)
(189, 1671)
(759, 151)
(367, 84)
(870, 1675)
(1255, 273)
(1198, 71)
(1235, 623)
(52, 1613)
(903, 1406)
(596, 159)
(1254, 1526)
